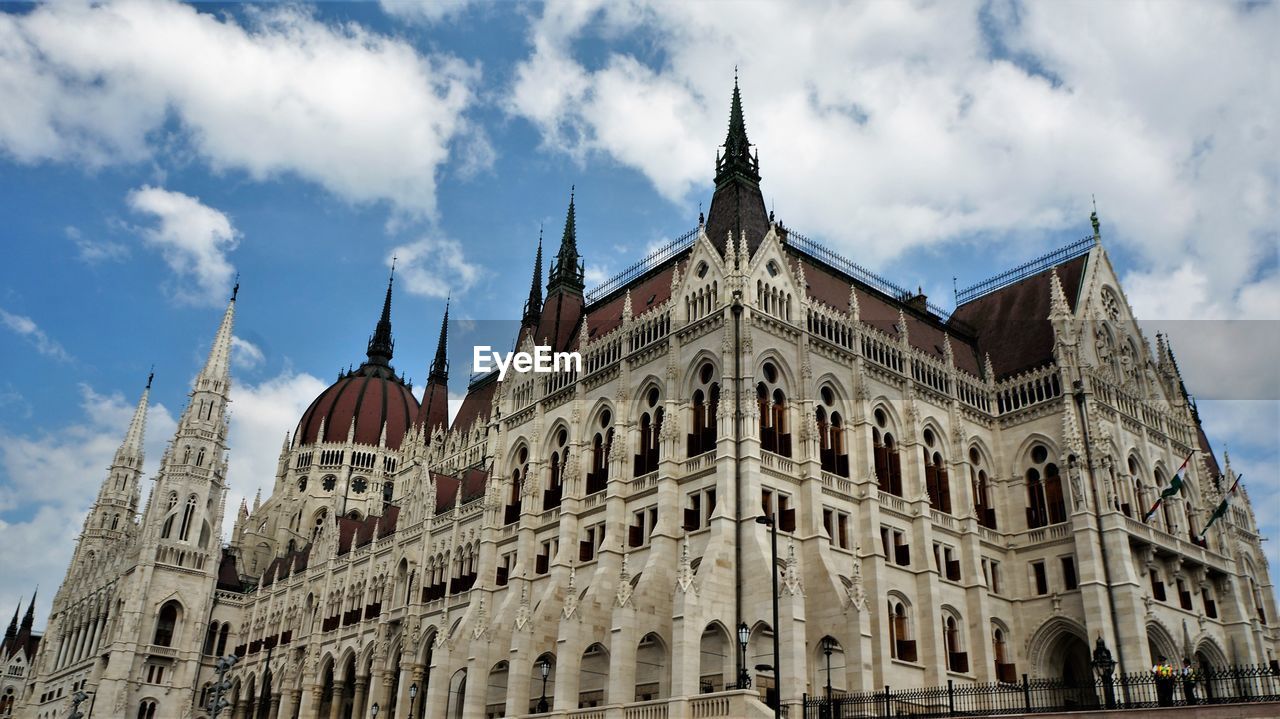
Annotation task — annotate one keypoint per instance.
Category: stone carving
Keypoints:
(625, 590)
(523, 613)
(857, 592)
(791, 583)
(571, 594)
(684, 574)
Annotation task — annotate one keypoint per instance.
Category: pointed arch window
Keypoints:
(519, 475)
(706, 404)
(601, 447)
(957, 658)
(775, 435)
(901, 645)
(1006, 671)
(646, 459)
(554, 493)
(936, 482)
(187, 515)
(831, 445)
(982, 506)
(887, 463)
(1045, 503)
(200, 458)
(166, 624)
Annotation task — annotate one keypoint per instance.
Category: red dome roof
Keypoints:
(371, 400)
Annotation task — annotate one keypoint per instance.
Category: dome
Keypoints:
(371, 396)
(368, 398)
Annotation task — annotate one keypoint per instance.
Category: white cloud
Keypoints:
(31, 332)
(884, 127)
(261, 415)
(98, 84)
(194, 240)
(51, 478)
(93, 251)
(435, 267)
(596, 275)
(424, 12)
(245, 354)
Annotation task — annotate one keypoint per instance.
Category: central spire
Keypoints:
(737, 207)
(381, 346)
(567, 273)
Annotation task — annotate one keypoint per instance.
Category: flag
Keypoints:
(1175, 486)
(1221, 509)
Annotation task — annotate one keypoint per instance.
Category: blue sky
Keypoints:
(149, 151)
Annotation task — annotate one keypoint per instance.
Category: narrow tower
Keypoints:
(433, 413)
(737, 205)
(115, 509)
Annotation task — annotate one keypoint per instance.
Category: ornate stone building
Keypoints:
(16, 654)
(959, 497)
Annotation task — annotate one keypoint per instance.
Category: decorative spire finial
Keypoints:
(568, 272)
(440, 365)
(381, 345)
(1093, 219)
(533, 306)
(151, 374)
(236, 289)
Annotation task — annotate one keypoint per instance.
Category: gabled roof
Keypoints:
(1012, 323)
(474, 481)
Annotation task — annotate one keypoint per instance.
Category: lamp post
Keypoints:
(828, 645)
(374, 710)
(413, 692)
(1104, 666)
(76, 700)
(744, 636)
(777, 653)
(219, 701)
(544, 666)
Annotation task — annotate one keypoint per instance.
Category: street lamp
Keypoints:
(787, 516)
(413, 692)
(76, 700)
(544, 666)
(374, 709)
(1104, 666)
(744, 636)
(828, 646)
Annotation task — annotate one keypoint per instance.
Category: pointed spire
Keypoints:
(533, 307)
(130, 451)
(29, 618)
(217, 369)
(1093, 220)
(568, 272)
(440, 365)
(381, 346)
(12, 631)
(1058, 307)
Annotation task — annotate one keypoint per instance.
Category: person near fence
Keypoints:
(1188, 682)
(1163, 672)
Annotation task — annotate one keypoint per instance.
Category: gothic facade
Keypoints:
(958, 496)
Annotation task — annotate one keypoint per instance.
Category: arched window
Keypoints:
(601, 445)
(650, 431)
(982, 505)
(222, 640)
(1045, 503)
(115, 521)
(200, 458)
(831, 445)
(167, 529)
(887, 462)
(554, 492)
(519, 475)
(957, 658)
(936, 481)
(1006, 670)
(901, 645)
(147, 709)
(166, 622)
(775, 435)
(187, 514)
(211, 638)
(706, 401)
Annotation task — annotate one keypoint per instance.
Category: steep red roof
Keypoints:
(474, 481)
(228, 573)
(370, 400)
(477, 403)
(1012, 323)
(1202, 440)
(651, 290)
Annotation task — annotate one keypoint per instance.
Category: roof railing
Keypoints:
(1023, 271)
(655, 258)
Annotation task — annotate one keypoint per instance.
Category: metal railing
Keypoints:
(1025, 270)
(1142, 690)
(655, 258)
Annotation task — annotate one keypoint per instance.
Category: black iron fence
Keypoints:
(1142, 690)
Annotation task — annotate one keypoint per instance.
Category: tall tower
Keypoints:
(164, 604)
(113, 513)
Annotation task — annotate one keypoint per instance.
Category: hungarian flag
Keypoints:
(1221, 509)
(1175, 486)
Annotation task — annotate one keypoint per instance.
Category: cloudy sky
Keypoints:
(150, 151)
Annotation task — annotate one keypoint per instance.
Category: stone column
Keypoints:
(241, 709)
(288, 700)
(274, 711)
(253, 708)
(310, 702)
(410, 673)
(339, 696)
(357, 703)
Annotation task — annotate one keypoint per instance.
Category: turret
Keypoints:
(433, 413)
(533, 306)
(737, 206)
(567, 272)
